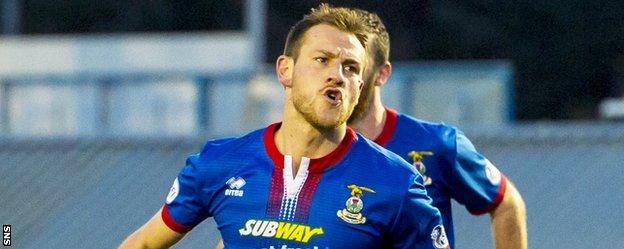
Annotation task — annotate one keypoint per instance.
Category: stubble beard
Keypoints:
(360, 109)
(307, 110)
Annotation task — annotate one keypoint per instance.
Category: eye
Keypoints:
(321, 60)
(352, 69)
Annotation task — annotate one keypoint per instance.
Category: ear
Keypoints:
(383, 74)
(284, 68)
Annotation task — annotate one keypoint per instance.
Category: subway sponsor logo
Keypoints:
(280, 230)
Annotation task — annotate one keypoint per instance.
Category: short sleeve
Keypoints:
(418, 224)
(476, 182)
(183, 207)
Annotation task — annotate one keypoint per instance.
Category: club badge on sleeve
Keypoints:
(173, 191)
(438, 236)
(492, 173)
(351, 213)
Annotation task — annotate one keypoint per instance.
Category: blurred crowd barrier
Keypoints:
(186, 85)
(130, 85)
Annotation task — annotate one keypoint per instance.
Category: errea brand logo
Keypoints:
(234, 186)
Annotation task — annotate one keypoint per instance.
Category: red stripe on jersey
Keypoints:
(497, 200)
(276, 191)
(305, 197)
(389, 127)
(171, 223)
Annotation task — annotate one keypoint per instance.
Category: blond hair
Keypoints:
(379, 40)
(344, 19)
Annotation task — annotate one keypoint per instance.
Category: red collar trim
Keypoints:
(316, 165)
(271, 148)
(389, 127)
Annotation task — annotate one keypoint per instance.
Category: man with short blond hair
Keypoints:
(309, 181)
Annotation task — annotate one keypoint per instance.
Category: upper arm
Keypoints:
(188, 201)
(153, 234)
(475, 182)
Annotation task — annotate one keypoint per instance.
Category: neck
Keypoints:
(372, 122)
(298, 138)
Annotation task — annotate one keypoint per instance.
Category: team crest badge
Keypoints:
(417, 157)
(173, 191)
(492, 173)
(352, 212)
(438, 237)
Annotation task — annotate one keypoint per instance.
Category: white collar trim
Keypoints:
(292, 185)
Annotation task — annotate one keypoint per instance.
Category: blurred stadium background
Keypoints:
(100, 103)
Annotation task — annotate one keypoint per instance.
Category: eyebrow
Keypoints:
(333, 55)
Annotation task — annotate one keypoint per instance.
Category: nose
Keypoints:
(335, 75)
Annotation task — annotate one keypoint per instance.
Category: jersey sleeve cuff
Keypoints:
(497, 199)
(171, 223)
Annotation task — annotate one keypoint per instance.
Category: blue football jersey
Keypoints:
(449, 163)
(358, 196)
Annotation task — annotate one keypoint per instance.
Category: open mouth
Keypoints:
(334, 96)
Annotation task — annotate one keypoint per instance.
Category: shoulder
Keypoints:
(218, 148)
(220, 156)
(441, 131)
(441, 136)
(379, 160)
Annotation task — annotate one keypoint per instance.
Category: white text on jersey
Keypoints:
(235, 185)
(280, 230)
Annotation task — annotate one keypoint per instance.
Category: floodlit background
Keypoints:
(101, 102)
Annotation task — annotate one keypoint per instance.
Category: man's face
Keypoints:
(369, 76)
(327, 76)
